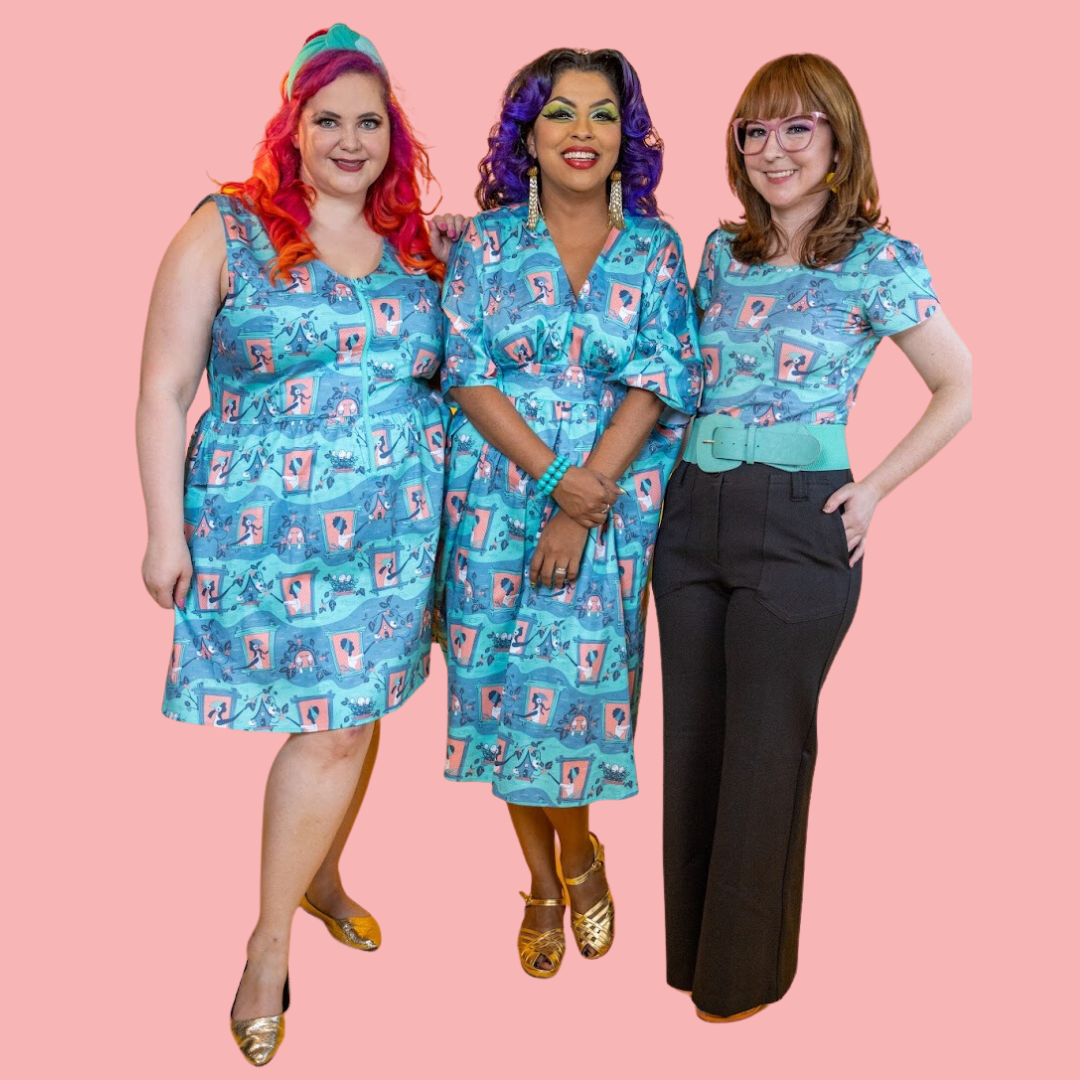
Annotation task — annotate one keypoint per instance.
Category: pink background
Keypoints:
(939, 901)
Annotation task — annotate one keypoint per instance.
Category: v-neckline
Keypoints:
(609, 243)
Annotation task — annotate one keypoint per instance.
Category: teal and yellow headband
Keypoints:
(339, 36)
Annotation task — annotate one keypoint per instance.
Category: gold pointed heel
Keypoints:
(260, 1038)
(359, 932)
(595, 928)
(534, 944)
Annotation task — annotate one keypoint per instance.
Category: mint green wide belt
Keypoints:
(719, 442)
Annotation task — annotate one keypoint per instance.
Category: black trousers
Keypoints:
(753, 597)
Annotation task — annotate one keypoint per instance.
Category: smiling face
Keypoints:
(792, 179)
(577, 136)
(344, 136)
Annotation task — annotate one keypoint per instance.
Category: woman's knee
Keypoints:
(339, 745)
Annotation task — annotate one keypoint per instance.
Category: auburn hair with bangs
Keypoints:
(804, 82)
(283, 201)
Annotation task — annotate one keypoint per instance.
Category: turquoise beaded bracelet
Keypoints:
(553, 474)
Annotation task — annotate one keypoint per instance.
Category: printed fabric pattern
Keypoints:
(544, 683)
(312, 493)
(790, 344)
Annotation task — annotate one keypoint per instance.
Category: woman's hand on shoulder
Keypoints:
(859, 501)
(562, 542)
(586, 495)
(166, 571)
(444, 230)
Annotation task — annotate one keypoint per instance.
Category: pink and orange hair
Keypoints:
(282, 200)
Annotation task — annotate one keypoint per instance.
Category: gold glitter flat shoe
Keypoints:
(260, 1038)
(534, 944)
(595, 928)
(359, 932)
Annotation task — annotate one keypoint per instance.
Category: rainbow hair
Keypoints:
(282, 200)
(503, 172)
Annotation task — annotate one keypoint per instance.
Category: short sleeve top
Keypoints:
(790, 343)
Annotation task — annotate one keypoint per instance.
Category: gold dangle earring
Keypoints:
(829, 179)
(614, 211)
(534, 199)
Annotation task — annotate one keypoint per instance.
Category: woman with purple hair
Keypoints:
(574, 364)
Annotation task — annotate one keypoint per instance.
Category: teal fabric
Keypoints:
(790, 344)
(312, 493)
(339, 36)
(544, 682)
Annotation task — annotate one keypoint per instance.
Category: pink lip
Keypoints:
(347, 166)
(780, 179)
(580, 163)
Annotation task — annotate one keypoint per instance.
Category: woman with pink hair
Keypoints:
(278, 283)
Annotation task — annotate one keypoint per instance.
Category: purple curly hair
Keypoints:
(503, 178)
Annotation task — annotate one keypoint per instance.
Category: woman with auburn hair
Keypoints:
(759, 560)
(297, 543)
(573, 361)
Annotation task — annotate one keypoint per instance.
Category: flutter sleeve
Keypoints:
(898, 293)
(665, 358)
(467, 361)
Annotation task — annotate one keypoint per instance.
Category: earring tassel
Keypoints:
(615, 207)
(534, 200)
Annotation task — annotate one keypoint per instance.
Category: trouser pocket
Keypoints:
(805, 572)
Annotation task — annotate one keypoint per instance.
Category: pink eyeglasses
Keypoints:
(793, 133)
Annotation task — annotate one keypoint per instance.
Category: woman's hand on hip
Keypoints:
(444, 230)
(166, 571)
(859, 502)
(586, 495)
(557, 559)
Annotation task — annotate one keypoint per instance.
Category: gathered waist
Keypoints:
(305, 402)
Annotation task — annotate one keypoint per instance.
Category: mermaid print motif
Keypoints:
(309, 489)
(789, 343)
(544, 683)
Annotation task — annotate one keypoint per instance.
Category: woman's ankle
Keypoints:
(325, 885)
(267, 947)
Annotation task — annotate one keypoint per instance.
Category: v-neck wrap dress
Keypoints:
(311, 497)
(544, 682)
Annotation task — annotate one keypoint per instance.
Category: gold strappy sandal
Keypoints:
(595, 928)
(549, 944)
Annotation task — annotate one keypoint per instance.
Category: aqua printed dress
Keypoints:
(312, 494)
(544, 683)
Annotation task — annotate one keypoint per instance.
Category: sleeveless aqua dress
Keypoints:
(312, 494)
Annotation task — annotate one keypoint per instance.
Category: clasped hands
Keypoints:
(585, 497)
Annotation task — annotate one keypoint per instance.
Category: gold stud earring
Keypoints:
(828, 180)
(535, 212)
(615, 207)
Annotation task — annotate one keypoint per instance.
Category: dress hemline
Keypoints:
(613, 797)
(282, 731)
